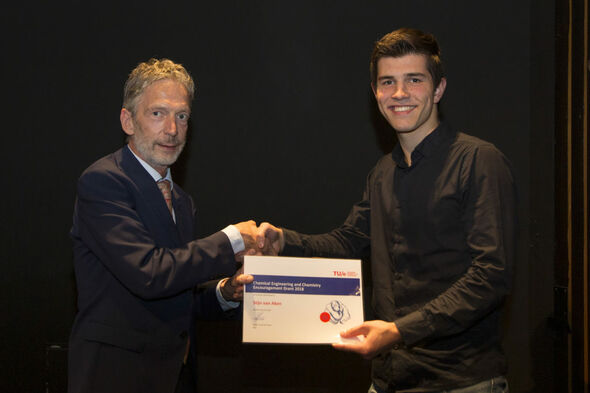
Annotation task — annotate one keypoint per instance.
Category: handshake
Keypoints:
(265, 239)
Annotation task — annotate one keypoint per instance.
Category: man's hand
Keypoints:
(379, 336)
(232, 288)
(248, 230)
(270, 239)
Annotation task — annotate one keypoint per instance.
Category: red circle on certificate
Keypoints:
(325, 317)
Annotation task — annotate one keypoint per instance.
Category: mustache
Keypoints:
(171, 141)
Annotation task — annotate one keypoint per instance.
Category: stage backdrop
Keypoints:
(284, 129)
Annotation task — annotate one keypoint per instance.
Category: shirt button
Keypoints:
(396, 346)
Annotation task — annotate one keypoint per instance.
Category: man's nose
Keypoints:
(171, 126)
(400, 91)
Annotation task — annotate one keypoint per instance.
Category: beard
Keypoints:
(153, 154)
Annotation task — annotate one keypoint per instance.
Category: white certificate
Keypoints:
(301, 300)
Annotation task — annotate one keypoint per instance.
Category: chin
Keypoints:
(403, 129)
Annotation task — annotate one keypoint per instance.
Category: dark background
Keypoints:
(284, 129)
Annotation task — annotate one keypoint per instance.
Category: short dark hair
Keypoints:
(407, 41)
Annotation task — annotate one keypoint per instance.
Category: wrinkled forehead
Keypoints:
(165, 92)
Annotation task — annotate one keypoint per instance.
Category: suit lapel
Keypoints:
(184, 214)
(151, 194)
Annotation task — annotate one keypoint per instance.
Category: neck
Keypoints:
(409, 140)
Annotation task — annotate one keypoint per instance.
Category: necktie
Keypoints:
(164, 186)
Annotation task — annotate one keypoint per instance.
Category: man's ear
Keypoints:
(440, 90)
(127, 122)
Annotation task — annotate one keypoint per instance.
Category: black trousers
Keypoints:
(186, 378)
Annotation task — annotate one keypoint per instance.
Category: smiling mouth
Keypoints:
(405, 108)
(168, 147)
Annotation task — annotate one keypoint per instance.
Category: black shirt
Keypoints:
(441, 235)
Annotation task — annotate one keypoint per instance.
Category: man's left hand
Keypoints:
(378, 336)
(232, 288)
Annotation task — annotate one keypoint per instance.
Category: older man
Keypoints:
(138, 265)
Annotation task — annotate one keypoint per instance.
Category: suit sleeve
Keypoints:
(109, 221)
(207, 307)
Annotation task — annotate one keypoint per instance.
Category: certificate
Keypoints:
(301, 300)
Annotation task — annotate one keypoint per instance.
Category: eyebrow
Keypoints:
(166, 108)
(416, 74)
(409, 74)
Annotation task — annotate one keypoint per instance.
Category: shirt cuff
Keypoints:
(235, 238)
(225, 304)
(414, 327)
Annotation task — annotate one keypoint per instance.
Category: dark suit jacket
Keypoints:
(136, 271)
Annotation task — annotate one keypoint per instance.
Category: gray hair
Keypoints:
(146, 73)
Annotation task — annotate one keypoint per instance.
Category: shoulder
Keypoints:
(105, 174)
(105, 165)
(384, 166)
(480, 161)
(471, 143)
(385, 163)
(381, 172)
(472, 149)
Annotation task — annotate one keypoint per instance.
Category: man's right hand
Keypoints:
(270, 239)
(249, 231)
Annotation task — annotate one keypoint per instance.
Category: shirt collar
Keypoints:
(153, 173)
(433, 140)
(425, 148)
